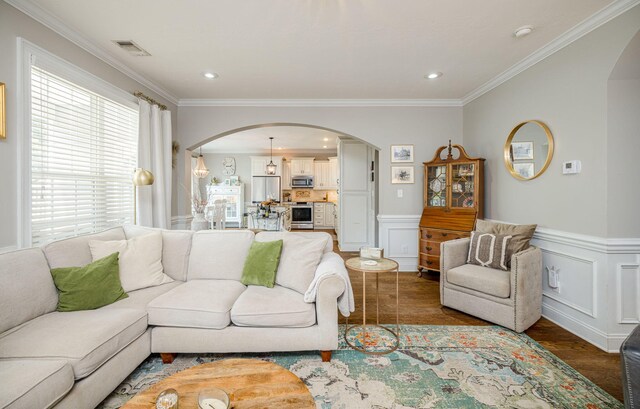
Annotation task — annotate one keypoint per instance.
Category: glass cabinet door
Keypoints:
(462, 185)
(437, 186)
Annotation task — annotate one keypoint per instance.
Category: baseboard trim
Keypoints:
(590, 334)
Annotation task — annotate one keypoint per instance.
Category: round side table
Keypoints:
(364, 266)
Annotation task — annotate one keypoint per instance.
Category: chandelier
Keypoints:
(201, 170)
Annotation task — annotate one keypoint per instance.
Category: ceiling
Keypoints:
(287, 139)
(319, 49)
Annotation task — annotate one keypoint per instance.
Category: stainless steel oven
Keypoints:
(302, 216)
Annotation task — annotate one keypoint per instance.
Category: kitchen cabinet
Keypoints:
(321, 175)
(334, 173)
(323, 215)
(302, 167)
(286, 175)
(326, 174)
(234, 195)
(259, 165)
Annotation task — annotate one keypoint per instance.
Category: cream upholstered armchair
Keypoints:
(512, 298)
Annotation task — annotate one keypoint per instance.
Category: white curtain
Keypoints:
(154, 154)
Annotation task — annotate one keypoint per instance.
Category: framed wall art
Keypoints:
(402, 174)
(401, 153)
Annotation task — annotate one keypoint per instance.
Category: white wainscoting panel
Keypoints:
(628, 294)
(398, 236)
(577, 278)
(598, 297)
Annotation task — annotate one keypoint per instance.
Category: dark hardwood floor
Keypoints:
(420, 304)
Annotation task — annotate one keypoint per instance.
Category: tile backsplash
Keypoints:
(300, 195)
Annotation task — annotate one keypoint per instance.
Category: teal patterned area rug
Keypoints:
(435, 367)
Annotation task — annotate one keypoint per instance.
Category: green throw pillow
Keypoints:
(86, 288)
(261, 265)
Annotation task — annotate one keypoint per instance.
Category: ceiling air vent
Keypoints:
(132, 48)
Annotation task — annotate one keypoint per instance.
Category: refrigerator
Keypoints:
(264, 188)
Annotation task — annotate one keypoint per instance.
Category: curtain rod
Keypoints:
(150, 100)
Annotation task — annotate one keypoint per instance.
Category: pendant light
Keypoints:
(201, 170)
(271, 167)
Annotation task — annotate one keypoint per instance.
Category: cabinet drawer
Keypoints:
(441, 235)
(430, 262)
(431, 248)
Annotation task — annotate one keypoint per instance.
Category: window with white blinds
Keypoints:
(83, 152)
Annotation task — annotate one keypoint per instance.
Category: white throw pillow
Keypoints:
(140, 260)
(299, 259)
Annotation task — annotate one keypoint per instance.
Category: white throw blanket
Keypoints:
(332, 264)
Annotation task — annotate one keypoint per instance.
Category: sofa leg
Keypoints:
(326, 356)
(168, 358)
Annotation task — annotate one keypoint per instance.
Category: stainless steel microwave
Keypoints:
(302, 181)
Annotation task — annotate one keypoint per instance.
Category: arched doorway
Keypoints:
(623, 142)
(355, 191)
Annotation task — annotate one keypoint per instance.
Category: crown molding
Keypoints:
(265, 152)
(49, 20)
(320, 103)
(608, 13)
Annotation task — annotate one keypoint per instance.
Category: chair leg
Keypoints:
(326, 356)
(168, 358)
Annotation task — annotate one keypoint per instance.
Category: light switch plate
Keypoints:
(400, 193)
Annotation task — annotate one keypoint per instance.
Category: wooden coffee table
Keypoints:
(250, 383)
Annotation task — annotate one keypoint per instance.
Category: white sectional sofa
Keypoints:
(75, 359)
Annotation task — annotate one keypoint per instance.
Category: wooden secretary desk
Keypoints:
(453, 199)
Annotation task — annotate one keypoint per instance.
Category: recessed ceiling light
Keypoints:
(433, 75)
(523, 31)
(210, 75)
(325, 146)
(325, 139)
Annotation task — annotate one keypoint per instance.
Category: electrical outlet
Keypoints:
(553, 278)
(405, 249)
(400, 193)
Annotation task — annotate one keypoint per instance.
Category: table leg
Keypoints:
(377, 302)
(397, 302)
(364, 310)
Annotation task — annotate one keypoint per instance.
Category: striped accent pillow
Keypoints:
(489, 250)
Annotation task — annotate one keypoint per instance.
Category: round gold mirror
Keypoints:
(528, 150)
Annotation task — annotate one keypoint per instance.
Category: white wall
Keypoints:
(14, 24)
(243, 169)
(568, 91)
(623, 172)
(425, 127)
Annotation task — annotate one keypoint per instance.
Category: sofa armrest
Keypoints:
(453, 253)
(329, 289)
(332, 265)
(526, 287)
